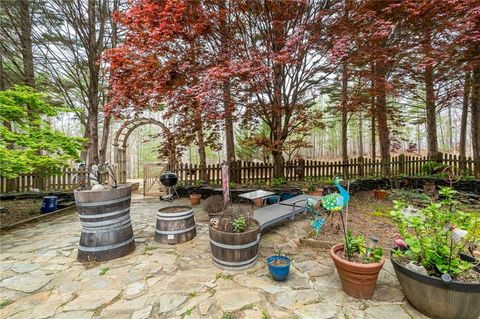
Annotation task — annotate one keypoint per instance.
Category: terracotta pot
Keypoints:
(379, 193)
(258, 202)
(195, 199)
(317, 192)
(358, 280)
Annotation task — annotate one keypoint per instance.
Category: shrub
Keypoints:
(214, 205)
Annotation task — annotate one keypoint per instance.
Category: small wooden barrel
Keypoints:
(234, 251)
(106, 227)
(175, 225)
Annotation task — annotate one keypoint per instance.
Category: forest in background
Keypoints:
(263, 80)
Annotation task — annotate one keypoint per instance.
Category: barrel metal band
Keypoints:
(118, 212)
(108, 247)
(174, 218)
(109, 222)
(235, 263)
(106, 229)
(253, 243)
(175, 214)
(174, 232)
(107, 202)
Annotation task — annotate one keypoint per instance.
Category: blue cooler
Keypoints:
(49, 204)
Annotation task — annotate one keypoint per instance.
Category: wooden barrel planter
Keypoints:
(106, 227)
(234, 251)
(175, 225)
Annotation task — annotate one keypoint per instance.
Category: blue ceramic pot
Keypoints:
(279, 273)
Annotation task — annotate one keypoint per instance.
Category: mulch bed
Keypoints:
(367, 217)
(14, 211)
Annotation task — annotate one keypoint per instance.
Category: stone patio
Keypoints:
(40, 278)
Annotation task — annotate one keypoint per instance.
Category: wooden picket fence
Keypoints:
(253, 172)
(248, 172)
(65, 181)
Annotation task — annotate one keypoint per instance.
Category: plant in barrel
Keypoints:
(436, 251)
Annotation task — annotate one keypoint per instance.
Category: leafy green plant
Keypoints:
(232, 185)
(356, 246)
(278, 181)
(239, 224)
(103, 271)
(430, 235)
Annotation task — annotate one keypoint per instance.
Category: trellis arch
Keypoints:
(120, 143)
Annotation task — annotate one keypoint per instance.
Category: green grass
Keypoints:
(223, 276)
(103, 271)
(265, 315)
(192, 294)
(146, 249)
(228, 315)
(5, 303)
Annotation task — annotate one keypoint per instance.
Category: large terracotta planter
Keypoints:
(358, 280)
(438, 299)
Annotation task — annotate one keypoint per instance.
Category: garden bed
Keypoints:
(18, 212)
(366, 217)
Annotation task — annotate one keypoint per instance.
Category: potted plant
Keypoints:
(234, 239)
(278, 266)
(379, 193)
(358, 265)
(428, 262)
(195, 198)
(214, 206)
(314, 190)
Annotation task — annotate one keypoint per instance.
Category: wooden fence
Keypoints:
(65, 181)
(249, 172)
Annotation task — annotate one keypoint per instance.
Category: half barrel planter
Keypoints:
(234, 251)
(175, 224)
(106, 226)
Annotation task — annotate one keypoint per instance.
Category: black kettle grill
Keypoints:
(169, 180)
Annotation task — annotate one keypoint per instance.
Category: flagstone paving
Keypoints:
(40, 278)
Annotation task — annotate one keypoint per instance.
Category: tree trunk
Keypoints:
(25, 19)
(278, 162)
(229, 137)
(464, 118)
(93, 100)
(201, 147)
(430, 100)
(373, 137)
(344, 113)
(102, 153)
(475, 108)
(360, 134)
(382, 114)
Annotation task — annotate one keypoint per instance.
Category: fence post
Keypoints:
(361, 171)
(401, 164)
(439, 157)
(301, 169)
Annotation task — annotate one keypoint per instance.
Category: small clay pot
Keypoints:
(258, 202)
(358, 280)
(195, 199)
(379, 193)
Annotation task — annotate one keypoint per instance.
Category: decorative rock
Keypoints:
(236, 299)
(419, 269)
